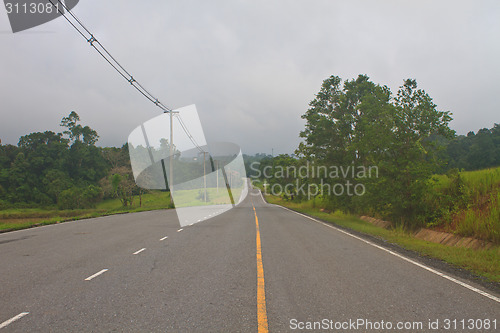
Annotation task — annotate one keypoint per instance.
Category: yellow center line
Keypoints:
(261, 289)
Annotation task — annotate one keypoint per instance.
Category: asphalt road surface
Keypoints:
(254, 268)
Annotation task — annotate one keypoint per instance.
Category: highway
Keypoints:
(254, 268)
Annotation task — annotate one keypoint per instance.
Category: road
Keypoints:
(141, 273)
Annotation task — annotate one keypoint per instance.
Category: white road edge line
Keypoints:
(180, 230)
(262, 196)
(139, 251)
(13, 319)
(163, 238)
(463, 284)
(96, 274)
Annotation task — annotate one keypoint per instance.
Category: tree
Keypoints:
(360, 124)
(80, 197)
(43, 152)
(121, 184)
(85, 162)
(347, 125)
(44, 165)
(414, 157)
(75, 130)
(56, 181)
(474, 151)
(116, 157)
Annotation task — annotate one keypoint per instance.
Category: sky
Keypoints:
(250, 66)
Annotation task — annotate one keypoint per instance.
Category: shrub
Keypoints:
(78, 197)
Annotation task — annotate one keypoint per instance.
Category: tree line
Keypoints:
(357, 123)
(66, 169)
(473, 151)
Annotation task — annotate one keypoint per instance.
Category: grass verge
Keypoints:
(16, 219)
(484, 263)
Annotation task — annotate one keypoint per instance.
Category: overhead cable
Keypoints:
(96, 44)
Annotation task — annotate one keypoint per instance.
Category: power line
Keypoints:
(90, 38)
(94, 42)
(184, 127)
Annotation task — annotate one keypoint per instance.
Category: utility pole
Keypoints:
(217, 172)
(171, 153)
(204, 176)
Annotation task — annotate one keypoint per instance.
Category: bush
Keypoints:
(77, 197)
(3, 204)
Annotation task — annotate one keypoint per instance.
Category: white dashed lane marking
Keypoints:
(13, 319)
(139, 251)
(96, 274)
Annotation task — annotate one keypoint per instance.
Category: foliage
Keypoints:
(122, 184)
(474, 151)
(62, 169)
(20, 218)
(466, 203)
(76, 132)
(78, 198)
(481, 262)
(359, 123)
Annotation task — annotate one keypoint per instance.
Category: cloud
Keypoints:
(251, 67)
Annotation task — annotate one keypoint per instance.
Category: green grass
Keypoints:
(189, 198)
(479, 181)
(475, 211)
(150, 201)
(15, 219)
(481, 262)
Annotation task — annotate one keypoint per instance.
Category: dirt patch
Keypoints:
(440, 236)
(452, 240)
(377, 222)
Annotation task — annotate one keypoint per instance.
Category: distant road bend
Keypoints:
(255, 268)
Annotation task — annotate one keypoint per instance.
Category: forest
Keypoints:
(65, 169)
(352, 123)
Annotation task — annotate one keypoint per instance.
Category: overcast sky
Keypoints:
(251, 67)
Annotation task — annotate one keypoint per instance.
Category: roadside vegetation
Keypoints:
(65, 170)
(467, 203)
(481, 262)
(21, 218)
(367, 151)
(424, 175)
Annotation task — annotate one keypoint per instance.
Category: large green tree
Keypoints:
(359, 123)
(413, 154)
(348, 124)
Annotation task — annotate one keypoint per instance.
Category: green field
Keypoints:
(214, 196)
(14, 219)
